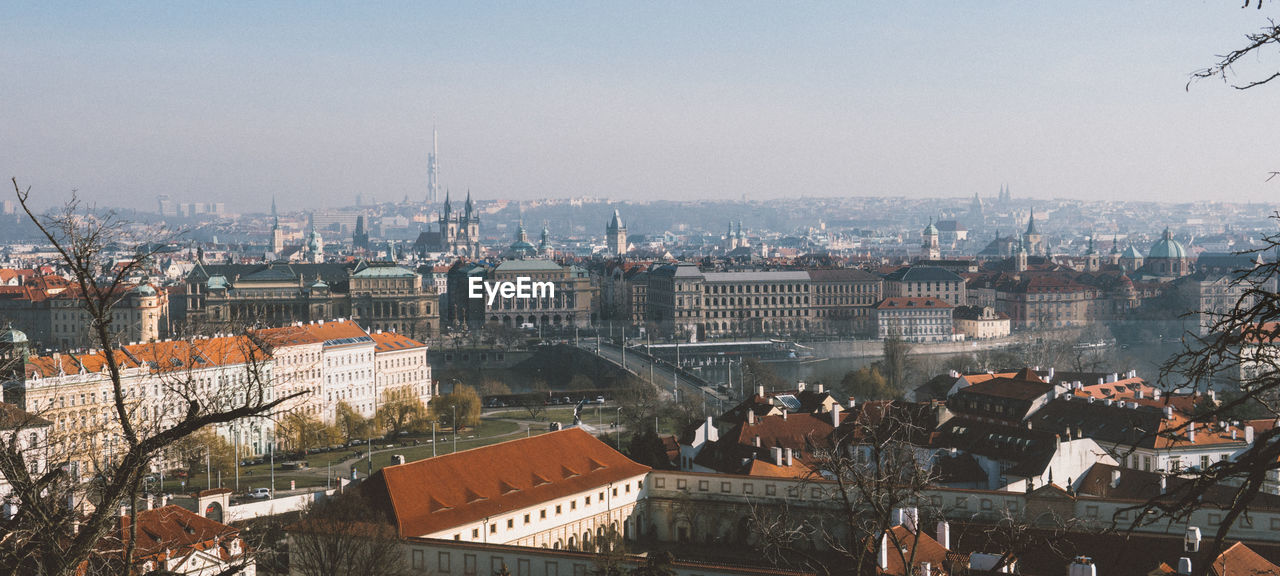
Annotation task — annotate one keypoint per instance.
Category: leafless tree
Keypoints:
(1255, 43)
(345, 535)
(871, 467)
(56, 527)
(1243, 349)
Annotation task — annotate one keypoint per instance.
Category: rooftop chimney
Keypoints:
(784, 414)
(1192, 539)
(1168, 412)
(1184, 566)
(1164, 484)
(882, 559)
(777, 455)
(760, 391)
(800, 386)
(853, 403)
(821, 388)
(1050, 377)
(786, 456)
(756, 442)
(953, 374)
(1191, 432)
(1112, 377)
(835, 415)
(1102, 380)
(1138, 394)
(1115, 478)
(944, 534)
(751, 416)
(1248, 434)
(1132, 374)
(1155, 394)
(1082, 566)
(906, 517)
(926, 569)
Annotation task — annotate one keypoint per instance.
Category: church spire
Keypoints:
(1031, 223)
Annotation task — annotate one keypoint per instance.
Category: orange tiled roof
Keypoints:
(175, 355)
(171, 529)
(770, 470)
(311, 333)
(436, 494)
(392, 341)
(926, 550)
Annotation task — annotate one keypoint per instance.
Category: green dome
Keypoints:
(12, 335)
(1167, 247)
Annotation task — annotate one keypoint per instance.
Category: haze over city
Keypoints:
(655, 100)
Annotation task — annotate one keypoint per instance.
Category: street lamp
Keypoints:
(617, 428)
(455, 428)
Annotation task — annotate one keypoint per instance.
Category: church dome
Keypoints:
(11, 335)
(1167, 247)
(522, 248)
(931, 230)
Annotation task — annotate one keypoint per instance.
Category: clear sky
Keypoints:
(316, 102)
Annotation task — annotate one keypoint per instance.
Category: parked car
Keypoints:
(259, 494)
(599, 399)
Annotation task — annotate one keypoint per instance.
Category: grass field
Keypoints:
(490, 431)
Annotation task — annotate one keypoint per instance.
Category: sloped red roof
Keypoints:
(311, 333)
(436, 494)
(170, 528)
(926, 550)
(393, 341)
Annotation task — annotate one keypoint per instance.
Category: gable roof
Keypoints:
(313, 333)
(394, 341)
(923, 274)
(436, 494)
(171, 529)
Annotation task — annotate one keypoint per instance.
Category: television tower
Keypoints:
(433, 169)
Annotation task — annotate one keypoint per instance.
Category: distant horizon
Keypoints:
(237, 102)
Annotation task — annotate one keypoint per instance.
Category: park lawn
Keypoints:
(561, 414)
(489, 431)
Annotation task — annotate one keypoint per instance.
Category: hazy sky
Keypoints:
(316, 102)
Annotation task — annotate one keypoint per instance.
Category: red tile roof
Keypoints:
(311, 333)
(436, 494)
(171, 529)
(392, 341)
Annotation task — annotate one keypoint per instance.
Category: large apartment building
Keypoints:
(686, 301)
(377, 295)
(51, 313)
(324, 363)
(573, 302)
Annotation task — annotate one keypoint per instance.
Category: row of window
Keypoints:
(542, 514)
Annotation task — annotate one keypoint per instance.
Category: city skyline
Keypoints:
(653, 101)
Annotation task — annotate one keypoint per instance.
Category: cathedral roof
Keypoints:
(1167, 247)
